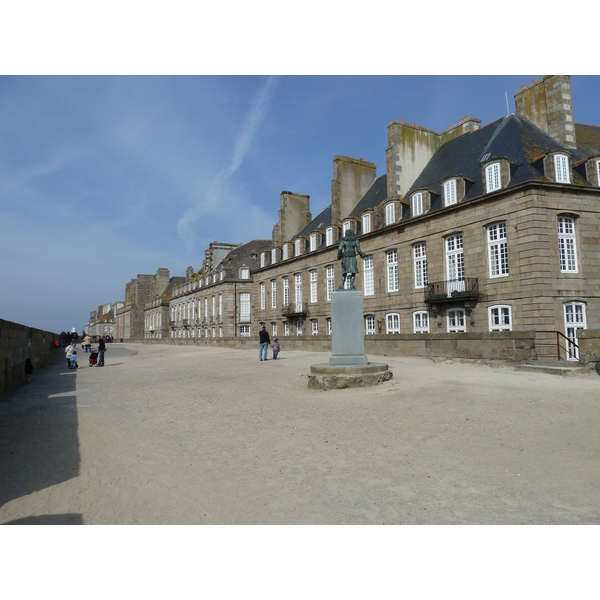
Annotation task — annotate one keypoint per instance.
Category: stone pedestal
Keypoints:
(348, 365)
(347, 329)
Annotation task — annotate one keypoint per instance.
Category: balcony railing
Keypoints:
(452, 290)
(296, 309)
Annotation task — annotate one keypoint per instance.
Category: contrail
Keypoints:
(255, 116)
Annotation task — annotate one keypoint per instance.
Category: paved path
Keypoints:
(188, 435)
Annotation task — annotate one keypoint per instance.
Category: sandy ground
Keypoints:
(187, 435)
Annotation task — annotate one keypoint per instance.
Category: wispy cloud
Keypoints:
(216, 192)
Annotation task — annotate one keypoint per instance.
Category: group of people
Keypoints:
(96, 358)
(265, 342)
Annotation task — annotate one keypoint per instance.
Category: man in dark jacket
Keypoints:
(265, 340)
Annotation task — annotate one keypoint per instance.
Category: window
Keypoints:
(450, 192)
(244, 306)
(366, 221)
(561, 168)
(456, 320)
(417, 204)
(220, 332)
(263, 296)
(298, 247)
(368, 279)
(455, 260)
(273, 293)
(328, 321)
(421, 321)
(299, 327)
(392, 270)
(329, 236)
(497, 250)
(286, 328)
(244, 331)
(314, 327)
(330, 281)
(420, 264)
(598, 171)
(274, 329)
(566, 241)
(286, 291)
(313, 242)
(298, 291)
(392, 323)
(347, 225)
(221, 307)
(273, 256)
(390, 213)
(500, 318)
(263, 259)
(313, 285)
(244, 273)
(286, 251)
(492, 177)
(575, 320)
(370, 325)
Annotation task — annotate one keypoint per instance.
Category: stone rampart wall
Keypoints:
(18, 343)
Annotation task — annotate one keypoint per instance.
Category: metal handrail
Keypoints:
(557, 346)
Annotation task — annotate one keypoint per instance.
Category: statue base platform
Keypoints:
(326, 376)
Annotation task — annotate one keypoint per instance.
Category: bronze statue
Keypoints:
(347, 251)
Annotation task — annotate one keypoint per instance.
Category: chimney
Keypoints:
(351, 180)
(294, 215)
(548, 103)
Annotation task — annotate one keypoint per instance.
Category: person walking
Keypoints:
(276, 348)
(265, 340)
(101, 351)
(87, 343)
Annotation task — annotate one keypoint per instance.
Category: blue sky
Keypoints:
(106, 177)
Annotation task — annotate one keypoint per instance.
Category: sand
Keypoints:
(191, 435)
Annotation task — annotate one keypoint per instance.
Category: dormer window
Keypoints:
(366, 223)
(416, 204)
(286, 251)
(244, 273)
(450, 192)
(598, 171)
(329, 236)
(349, 224)
(493, 181)
(273, 256)
(222, 274)
(298, 247)
(313, 241)
(561, 168)
(390, 213)
(264, 257)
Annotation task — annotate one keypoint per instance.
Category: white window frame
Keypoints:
(493, 181)
(244, 331)
(575, 319)
(299, 327)
(457, 320)
(450, 192)
(313, 242)
(329, 236)
(286, 328)
(392, 323)
(298, 291)
(497, 250)
(328, 322)
(366, 219)
(390, 213)
(420, 264)
(273, 293)
(263, 295)
(273, 256)
(347, 225)
(455, 257)
(370, 325)
(286, 290)
(314, 327)
(244, 273)
(421, 321)
(314, 296)
(368, 276)
(561, 168)
(598, 171)
(298, 247)
(245, 311)
(416, 204)
(263, 259)
(330, 274)
(274, 329)
(286, 251)
(567, 244)
(500, 317)
(391, 259)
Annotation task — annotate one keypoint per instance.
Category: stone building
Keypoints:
(156, 312)
(216, 301)
(481, 242)
(130, 316)
(103, 320)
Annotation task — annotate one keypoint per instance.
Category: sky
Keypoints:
(106, 177)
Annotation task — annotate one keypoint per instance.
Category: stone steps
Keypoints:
(556, 367)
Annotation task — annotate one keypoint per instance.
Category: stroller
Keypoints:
(93, 358)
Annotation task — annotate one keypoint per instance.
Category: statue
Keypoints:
(347, 251)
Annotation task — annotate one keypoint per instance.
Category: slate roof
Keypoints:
(242, 255)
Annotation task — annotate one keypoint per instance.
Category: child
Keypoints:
(73, 361)
(276, 348)
(28, 370)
